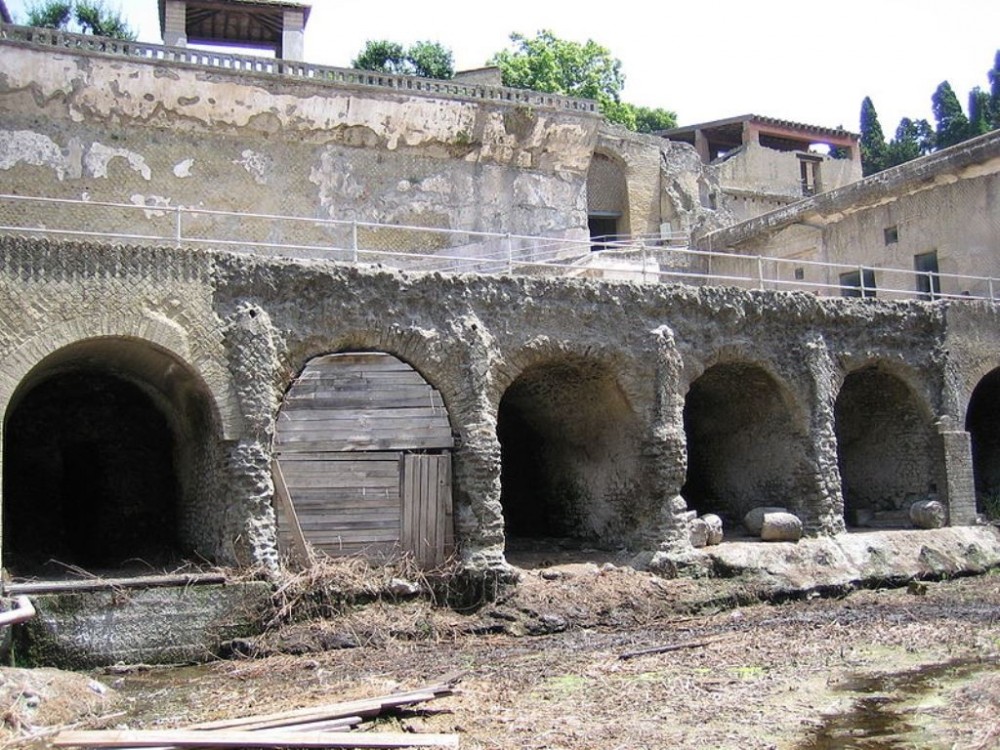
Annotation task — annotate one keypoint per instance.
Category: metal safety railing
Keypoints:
(644, 259)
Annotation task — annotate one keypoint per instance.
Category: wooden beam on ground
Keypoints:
(364, 707)
(231, 738)
(103, 584)
(668, 647)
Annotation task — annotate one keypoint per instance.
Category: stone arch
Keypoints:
(141, 326)
(111, 451)
(607, 197)
(570, 444)
(364, 443)
(885, 445)
(982, 422)
(747, 444)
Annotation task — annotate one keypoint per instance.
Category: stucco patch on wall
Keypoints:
(99, 157)
(183, 169)
(28, 147)
(256, 164)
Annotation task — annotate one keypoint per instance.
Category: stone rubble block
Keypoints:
(698, 532)
(928, 514)
(781, 527)
(714, 525)
(706, 531)
(754, 520)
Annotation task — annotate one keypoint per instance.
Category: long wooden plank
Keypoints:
(387, 444)
(375, 531)
(349, 457)
(242, 738)
(101, 584)
(378, 428)
(304, 413)
(339, 481)
(364, 360)
(377, 392)
(361, 707)
(378, 550)
(407, 492)
(447, 517)
(290, 518)
(340, 539)
(335, 495)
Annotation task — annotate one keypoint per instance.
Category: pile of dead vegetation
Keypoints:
(33, 699)
(350, 603)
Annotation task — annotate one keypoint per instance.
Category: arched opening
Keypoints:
(607, 200)
(568, 440)
(107, 462)
(982, 421)
(884, 448)
(363, 444)
(744, 447)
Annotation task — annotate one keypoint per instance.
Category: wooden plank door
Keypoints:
(427, 510)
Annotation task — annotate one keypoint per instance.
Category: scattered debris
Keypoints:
(668, 647)
(325, 726)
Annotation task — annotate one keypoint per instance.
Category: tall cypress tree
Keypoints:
(873, 148)
(980, 114)
(994, 76)
(952, 124)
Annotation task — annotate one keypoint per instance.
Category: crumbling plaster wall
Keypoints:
(81, 125)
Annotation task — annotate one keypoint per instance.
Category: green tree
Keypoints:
(914, 138)
(873, 146)
(952, 124)
(652, 120)
(558, 66)
(89, 16)
(994, 77)
(54, 14)
(431, 60)
(425, 59)
(980, 115)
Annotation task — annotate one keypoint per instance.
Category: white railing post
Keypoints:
(760, 272)
(992, 298)
(510, 254)
(354, 242)
(178, 232)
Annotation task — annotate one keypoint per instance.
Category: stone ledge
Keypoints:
(170, 625)
(851, 560)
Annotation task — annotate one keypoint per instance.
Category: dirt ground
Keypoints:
(543, 667)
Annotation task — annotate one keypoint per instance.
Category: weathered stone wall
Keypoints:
(87, 125)
(238, 329)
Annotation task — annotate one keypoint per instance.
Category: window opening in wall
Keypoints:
(891, 235)
(928, 280)
(860, 283)
(809, 174)
(603, 230)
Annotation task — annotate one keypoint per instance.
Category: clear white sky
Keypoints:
(798, 60)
